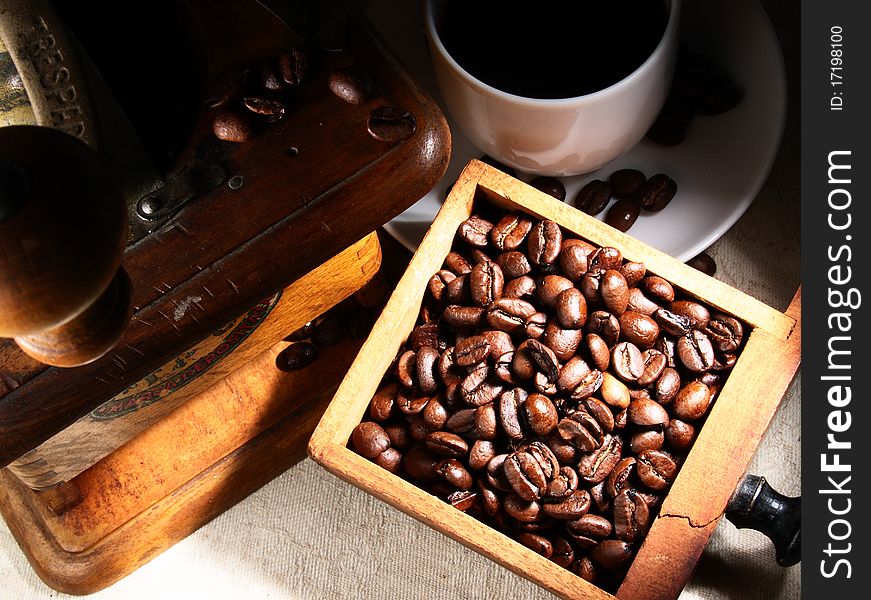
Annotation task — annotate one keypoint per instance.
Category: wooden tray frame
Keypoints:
(201, 459)
(720, 455)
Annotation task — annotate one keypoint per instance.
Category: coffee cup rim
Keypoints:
(674, 8)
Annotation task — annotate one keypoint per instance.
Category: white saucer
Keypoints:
(720, 166)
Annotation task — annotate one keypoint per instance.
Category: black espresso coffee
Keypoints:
(550, 48)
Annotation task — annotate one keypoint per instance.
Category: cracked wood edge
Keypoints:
(717, 462)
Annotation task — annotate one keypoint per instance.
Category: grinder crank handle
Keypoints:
(756, 505)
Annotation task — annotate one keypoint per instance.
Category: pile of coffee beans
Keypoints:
(249, 97)
(551, 389)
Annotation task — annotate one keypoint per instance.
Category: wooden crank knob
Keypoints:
(756, 505)
(63, 228)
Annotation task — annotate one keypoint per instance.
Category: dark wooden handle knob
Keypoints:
(63, 228)
(758, 506)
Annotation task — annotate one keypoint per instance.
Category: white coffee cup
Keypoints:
(564, 136)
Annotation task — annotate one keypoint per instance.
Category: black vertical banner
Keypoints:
(836, 270)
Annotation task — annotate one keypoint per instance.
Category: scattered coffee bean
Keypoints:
(623, 214)
(626, 183)
(232, 126)
(550, 186)
(293, 65)
(657, 192)
(593, 197)
(296, 356)
(270, 110)
(391, 124)
(351, 86)
(704, 262)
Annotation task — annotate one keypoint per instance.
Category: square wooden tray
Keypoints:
(697, 499)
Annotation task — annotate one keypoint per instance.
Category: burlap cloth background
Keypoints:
(309, 535)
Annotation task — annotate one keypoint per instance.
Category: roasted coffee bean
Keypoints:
(563, 552)
(510, 416)
(657, 288)
(464, 317)
(510, 232)
(462, 500)
(627, 183)
(293, 65)
(513, 264)
(399, 436)
(586, 569)
(391, 124)
(426, 369)
(591, 284)
(540, 413)
(614, 291)
(390, 460)
(564, 484)
(596, 465)
(627, 362)
(563, 342)
(571, 374)
(420, 464)
(545, 243)
(667, 386)
(695, 312)
(621, 419)
(550, 186)
(410, 403)
(614, 392)
(703, 262)
(582, 431)
(573, 262)
(499, 341)
(303, 333)
(654, 363)
(680, 435)
(668, 347)
(438, 283)
(640, 303)
(725, 332)
(542, 357)
(535, 325)
(623, 214)
(599, 497)
(570, 508)
(486, 425)
(486, 282)
(471, 351)
(673, 323)
(406, 368)
(434, 414)
(606, 257)
(599, 411)
(657, 192)
(232, 126)
(646, 439)
(605, 325)
(269, 78)
(633, 272)
(519, 287)
(612, 554)
(593, 197)
(588, 385)
(550, 287)
(270, 110)
(479, 256)
(296, 356)
(481, 453)
(457, 264)
(631, 515)
(523, 511)
(599, 351)
(351, 85)
(638, 328)
(331, 330)
(476, 389)
(502, 369)
(647, 413)
(461, 422)
(455, 473)
(692, 401)
(509, 314)
(445, 443)
(456, 291)
(619, 476)
(381, 405)
(656, 469)
(370, 439)
(589, 529)
(695, 351)
(537, 543)
(571, 308)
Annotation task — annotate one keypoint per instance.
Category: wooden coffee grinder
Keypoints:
(168, 214)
